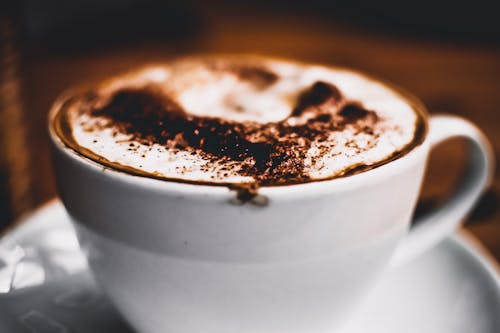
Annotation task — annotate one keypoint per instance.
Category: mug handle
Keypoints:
(439, 223)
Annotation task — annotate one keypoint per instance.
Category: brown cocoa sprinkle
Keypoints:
(271, 153)
(354, 111)
(244, 191)
(320, 93)
(259, 76)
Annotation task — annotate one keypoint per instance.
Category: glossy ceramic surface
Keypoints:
(45, 286)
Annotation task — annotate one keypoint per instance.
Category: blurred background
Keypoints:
(445, 52)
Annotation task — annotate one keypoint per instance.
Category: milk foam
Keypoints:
(202, 90)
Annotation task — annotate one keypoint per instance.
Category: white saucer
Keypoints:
(45, 287)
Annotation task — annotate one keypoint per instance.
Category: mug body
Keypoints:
(184, 258)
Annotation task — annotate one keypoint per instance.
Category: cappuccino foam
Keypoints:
(242, 120)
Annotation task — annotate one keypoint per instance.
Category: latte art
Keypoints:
(240, 121)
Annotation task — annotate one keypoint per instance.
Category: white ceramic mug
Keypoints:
(184, 258)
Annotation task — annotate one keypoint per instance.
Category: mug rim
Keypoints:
(287, 191)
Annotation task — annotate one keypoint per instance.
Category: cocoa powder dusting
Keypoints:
(272, 153)
(320, 94)
(259, 76)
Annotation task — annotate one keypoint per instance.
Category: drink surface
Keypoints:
(240, 120)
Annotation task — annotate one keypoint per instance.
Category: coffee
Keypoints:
(240, 121)
(167, 251)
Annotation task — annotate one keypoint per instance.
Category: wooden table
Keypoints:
(461, 79)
